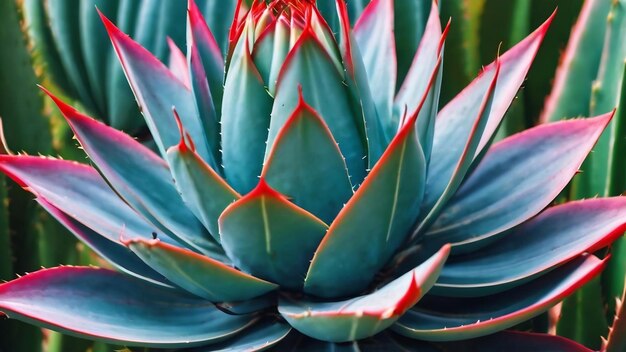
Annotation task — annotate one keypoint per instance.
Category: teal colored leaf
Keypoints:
(534, 166)
(140, 177)
(359, 87)
(113, 252)
(103, 305)
(203, 190)
(157, 90)
(374, 35)
(244, 122)
(367, 315)
(374, 223)
(447, 319)
(417, 83)
(197, 274)
(306, 165)
(409, 23)
(309, 66)
(270, 50)
(531, 249)
(259, 337)
(269, 237)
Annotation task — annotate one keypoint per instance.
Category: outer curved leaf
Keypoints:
(308, 65)
(200, 275)
(518, 341)
(261, 336)
(108, 306)
(266, 235)
(203, 190)
(553, 237)
(139, 176)
(364, 316)
(374, 223)
(157, 90)
(114, 253)
(306, 165)
(78, 190)
(244, 122)
(533, 166)
(450, 165)
(453, 123)
(448, 319)
(374, 35)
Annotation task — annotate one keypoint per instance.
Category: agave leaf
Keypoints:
(198, 274)
(363, 316)
(207, 76)
(360, 88)
(616, 340)
(157, 90)
(66, 33)
(571, 91)
(321, 187)
(78, 190)
(553, 237)
(308, 65)
(104, 305)
(450, 165)
(259, 337)
(261, 303)
(270, 50)
(135, 172)
(453, 124)
(115, 253)
(200, 36)
(373, 33)
(374, 222)
(534, 166)
(203, 190)
(416, 85)
(219, 16)
(244, 124)
(446, 319)
(177, 63)
(269, 237)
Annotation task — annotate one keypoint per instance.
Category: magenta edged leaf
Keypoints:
(245, 122)
(198, 274)
(373, 33)
(374, 222)
(446, 319)
(555, 236)
(363, 316)
(416, 83)
(108, 306)
(157, 90)
(309, 66)
(113, 252)
(359, 86)
(306, 165)
(532, 166)
(141, 177)
(269, 237)
(177, 63)
(203, 190)
(77, 190)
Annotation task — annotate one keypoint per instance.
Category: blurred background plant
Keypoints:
(62, 44)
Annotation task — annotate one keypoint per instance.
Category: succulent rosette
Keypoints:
(298, 200)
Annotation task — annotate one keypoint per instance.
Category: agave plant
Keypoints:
(300, 201)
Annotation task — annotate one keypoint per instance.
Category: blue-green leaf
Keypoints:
(259, 337)
(104, 305)
(367, 315)
(269, 237)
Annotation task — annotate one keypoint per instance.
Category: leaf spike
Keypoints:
(184, 136)
(4, 146)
